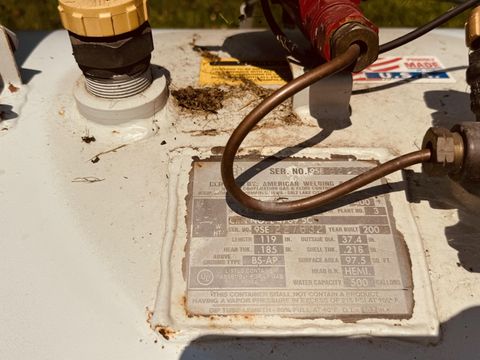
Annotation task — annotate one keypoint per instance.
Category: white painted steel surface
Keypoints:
(84, 245)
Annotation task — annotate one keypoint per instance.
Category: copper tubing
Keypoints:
(253, 118)
(315, 201)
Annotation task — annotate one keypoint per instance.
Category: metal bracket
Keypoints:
(9, 72)
(328, 100)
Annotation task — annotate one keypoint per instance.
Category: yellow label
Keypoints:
(230, 71)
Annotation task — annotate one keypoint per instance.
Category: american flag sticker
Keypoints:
(421, 69)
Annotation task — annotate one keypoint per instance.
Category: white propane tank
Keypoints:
(119, 246)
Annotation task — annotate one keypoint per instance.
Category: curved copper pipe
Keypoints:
(256, 115)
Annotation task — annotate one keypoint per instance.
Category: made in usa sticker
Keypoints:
(421, 69)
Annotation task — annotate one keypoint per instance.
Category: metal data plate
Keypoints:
(348, 262)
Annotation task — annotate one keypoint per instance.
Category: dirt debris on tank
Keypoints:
(212, 102)
(205, 107)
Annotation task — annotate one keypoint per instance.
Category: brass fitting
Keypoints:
(472, 28)
(447, 149)
(351, 33)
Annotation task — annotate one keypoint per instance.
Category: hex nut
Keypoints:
(447, 152)
(115, 52)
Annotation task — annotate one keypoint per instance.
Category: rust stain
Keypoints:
(213, 325)
(241, 317)
(187, 312)
(149, 316)
(167, 332)
(12, 88)
(213, 318)
(184, 305)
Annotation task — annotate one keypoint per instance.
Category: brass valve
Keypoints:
(472, 28)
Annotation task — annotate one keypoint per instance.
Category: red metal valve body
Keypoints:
(322, 18)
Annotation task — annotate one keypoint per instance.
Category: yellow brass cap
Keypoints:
(472, 27)
(100, 18)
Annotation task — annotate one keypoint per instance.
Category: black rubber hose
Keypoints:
(415, 34)
(290, 46)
